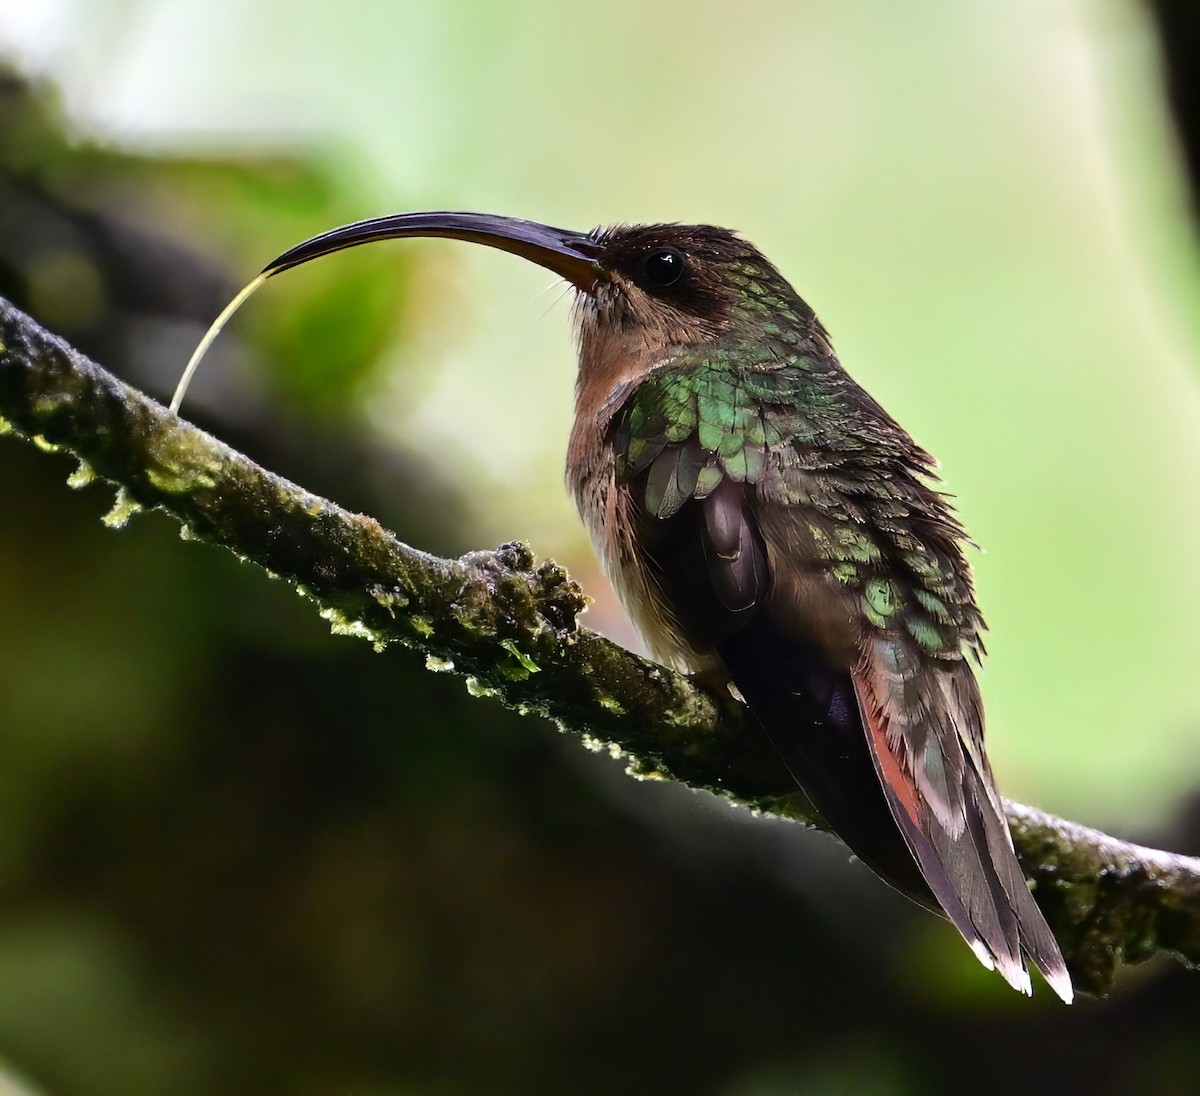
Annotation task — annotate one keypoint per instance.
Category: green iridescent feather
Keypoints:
(804, 440)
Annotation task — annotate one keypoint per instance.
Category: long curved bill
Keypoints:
(570, 255)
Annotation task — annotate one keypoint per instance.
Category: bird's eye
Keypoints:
(663, 268)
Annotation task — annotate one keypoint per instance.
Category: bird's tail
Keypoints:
(924, 731)
(834, 735)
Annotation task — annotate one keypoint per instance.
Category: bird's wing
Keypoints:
(733, 469)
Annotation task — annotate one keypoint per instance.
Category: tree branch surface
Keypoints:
(510, 627)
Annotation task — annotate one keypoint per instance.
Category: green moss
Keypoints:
(342, 624)
(610, 704)
(45, 406)
(82, 476)
(180, 467)
(171, 482)
(526, 663)
(122, 510)
(390, 599)
(641, 768)
(603, 745)
(478, 688)
(438, 665)
(1078, 900)
(421, 625)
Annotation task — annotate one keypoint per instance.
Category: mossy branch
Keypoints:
(510, 627)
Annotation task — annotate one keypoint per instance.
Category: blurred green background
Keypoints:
(240, 855)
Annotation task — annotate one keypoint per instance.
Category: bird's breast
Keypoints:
(610, 515)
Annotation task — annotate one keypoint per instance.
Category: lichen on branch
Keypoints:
(510, 627)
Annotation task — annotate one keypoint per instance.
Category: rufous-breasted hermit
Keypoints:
(766, 521)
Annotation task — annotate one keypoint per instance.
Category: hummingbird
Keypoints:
(770, 526)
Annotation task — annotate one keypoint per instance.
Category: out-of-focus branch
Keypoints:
(1178, 26)
(510, 627)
